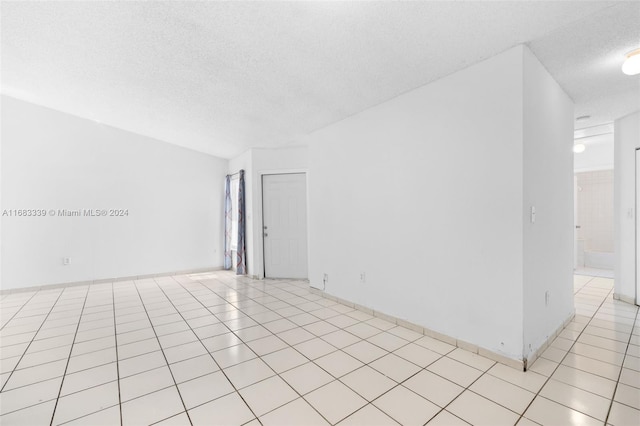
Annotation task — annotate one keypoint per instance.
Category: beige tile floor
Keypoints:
(216, 349)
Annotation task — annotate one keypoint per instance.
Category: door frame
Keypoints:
(261, 269)
(637, 225)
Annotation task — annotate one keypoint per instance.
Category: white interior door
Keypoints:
(284, 214)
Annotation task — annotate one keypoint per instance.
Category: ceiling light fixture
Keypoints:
(578, 148)
(631, 65)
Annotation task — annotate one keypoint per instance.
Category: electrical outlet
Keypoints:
(325, 278)
(363, 277)
(66, 261)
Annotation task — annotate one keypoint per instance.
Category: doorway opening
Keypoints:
(593, 201)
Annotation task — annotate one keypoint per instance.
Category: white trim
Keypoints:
(637, 226)
(502, 359)
(594, 168)
(258, 213)
(623, 298)
(535, 355)
(108, 280)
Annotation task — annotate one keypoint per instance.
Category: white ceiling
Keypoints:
(220, 77)
(585, 57)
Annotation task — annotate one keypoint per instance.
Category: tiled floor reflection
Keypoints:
(214, 349)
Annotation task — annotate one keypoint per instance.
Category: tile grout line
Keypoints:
(243, 293)
(380, 331)
(397, 384)
(84, 370)
(468, 388)
(18, 311)
(595, 347)
(605, 298)
(161, 350)
(66, 367)
(221, 369)
(243, 341)
(32, 340)
(620, 373)
(94, 386)
(276, 374)
(115, 337)
(487, 372)
(60, 359)
(563, 358)
(203, 345)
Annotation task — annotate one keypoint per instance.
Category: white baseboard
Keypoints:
(106, 280)
(528, 361)
(624, 298)
(514, 363)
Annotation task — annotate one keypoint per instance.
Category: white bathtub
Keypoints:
(592, 259)
(598, 259)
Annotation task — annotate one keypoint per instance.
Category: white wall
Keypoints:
(423, 193)
(548, 185)
(53, 160)
(598, 154)
(627, 139)
(257, 162)
(1, 191)
(429, 195)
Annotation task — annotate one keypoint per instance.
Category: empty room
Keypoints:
(319, 213)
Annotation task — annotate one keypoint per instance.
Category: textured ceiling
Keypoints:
(220, 77)
(585, 58)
